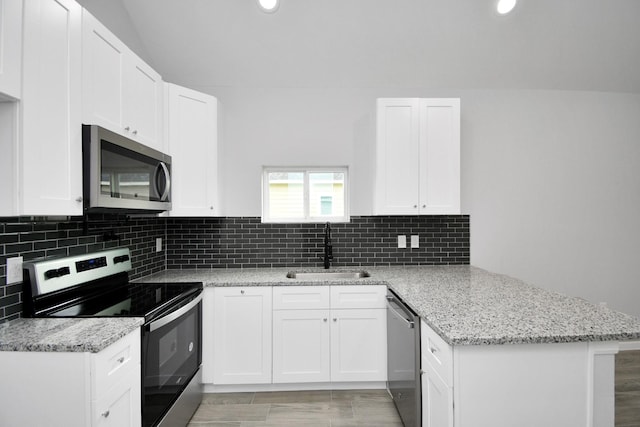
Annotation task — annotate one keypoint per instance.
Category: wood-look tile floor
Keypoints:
(338, 408)
(371, 408)
(628, 389)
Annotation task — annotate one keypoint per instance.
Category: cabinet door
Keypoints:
(437, 400)
(51, 151)
(439, 156)
(192, 130)
(242, 335)
(103, 62)
(11, 47)
(142, 108)
(397, 162)
(358, 345)
(301, 346)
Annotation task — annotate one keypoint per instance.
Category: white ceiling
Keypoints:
(464, 44)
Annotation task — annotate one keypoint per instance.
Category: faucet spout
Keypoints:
(328, 248)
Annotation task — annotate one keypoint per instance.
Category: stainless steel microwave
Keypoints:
(122, 174)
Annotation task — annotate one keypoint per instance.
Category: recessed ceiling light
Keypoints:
(268, 5)
(505, 6)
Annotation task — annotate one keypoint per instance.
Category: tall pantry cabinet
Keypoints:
(417, 156)
(10, 48)
(49, 157)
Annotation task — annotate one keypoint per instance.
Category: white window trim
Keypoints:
(306, 170)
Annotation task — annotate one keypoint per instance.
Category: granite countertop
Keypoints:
(465, 305)
(88, 335)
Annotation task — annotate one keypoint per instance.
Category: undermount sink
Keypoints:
(327, 275)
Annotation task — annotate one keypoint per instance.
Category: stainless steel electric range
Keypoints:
(97, 285)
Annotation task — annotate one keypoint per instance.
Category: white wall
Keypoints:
(552, 183)
(551, 179)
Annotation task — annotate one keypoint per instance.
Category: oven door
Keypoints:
(171, 357)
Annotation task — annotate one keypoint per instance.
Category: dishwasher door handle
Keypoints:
(410, 324)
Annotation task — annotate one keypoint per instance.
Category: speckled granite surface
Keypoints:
(65, 335)
(463, 304)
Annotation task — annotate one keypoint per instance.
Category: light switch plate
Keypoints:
(159, 244)
(402, 242)
(415, 241)
(14, 270)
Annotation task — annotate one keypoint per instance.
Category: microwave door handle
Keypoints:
(167, 187)
(156, 324)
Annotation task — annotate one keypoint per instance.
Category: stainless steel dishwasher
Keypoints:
(403, 360)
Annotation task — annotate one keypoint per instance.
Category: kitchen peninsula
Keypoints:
(510, 353)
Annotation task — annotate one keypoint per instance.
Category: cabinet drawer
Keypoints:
(300, 297)
(115, 363)
(436, 353)
(120, 406)
(358, 296)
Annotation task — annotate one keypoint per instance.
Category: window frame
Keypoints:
(306, 171)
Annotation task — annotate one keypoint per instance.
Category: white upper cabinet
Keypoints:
(417, 156)
(192, 142)
(10, 47)
(120, 91)
(49, 175)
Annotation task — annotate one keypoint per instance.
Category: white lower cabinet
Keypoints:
(301, 351)
(437, 379)
(242, 335)
(358, 345)
(497, 385)
(59, 389)
(257, 335)
(313, 342)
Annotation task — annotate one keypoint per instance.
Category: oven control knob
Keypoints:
(190, 346)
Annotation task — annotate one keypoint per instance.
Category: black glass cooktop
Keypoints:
(128, 300)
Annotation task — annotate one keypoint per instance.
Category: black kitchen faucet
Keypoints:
(328, 249)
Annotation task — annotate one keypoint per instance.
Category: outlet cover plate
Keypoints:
(14, 270)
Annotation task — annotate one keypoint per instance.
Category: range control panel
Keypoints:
(49, 275)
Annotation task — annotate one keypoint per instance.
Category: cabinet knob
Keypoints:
(135, 132)
(242, 291)
(121, 360)
(415, 206)
(79, 199)
(105, 414)
(324, 320)
(211, 207)
(424, 206)
(128, 128)
(335, 320)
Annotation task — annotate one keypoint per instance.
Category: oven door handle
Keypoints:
(157, 324)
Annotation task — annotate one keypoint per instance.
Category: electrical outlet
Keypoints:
(14, 270)
(415, 241)
(402, 242)
(159, 244)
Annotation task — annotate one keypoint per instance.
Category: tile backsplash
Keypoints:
(245, 242)
(231, 242)
(39, 238)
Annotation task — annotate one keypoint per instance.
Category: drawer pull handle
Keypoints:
(105, 414)
(121, 360)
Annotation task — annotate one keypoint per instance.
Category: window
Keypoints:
(304, 194)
